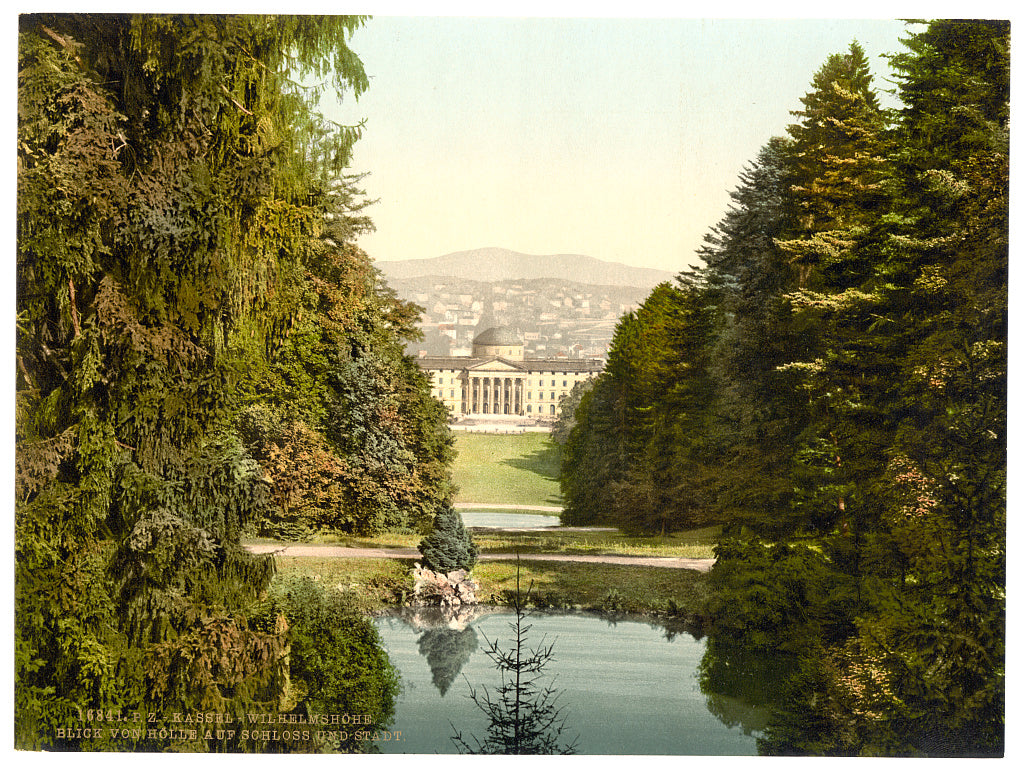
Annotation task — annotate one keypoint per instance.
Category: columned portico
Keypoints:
(493, 394)
(498, 381)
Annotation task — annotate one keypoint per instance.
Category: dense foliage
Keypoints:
(830, 387)
(201, 352)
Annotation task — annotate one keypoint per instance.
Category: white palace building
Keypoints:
(498, 381)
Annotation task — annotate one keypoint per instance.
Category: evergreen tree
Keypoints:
(941, 549)
(748, 275)
(924, 673)
(586, 460)
(901, 465)
(450, 546)
(836, 178)
(836, 374)
(524, 717)
(600, 447)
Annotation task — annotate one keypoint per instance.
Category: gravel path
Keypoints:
(305, 550)
(508, 506)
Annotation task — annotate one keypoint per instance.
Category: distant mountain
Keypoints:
(495, 264)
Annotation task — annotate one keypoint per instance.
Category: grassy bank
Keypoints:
(507, 469)
(595, 586)
(376, 584)
(693, 544)
(371, 584)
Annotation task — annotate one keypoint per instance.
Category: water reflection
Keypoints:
(447, 651)
(446, 639)
(682, 694)
(742, 686)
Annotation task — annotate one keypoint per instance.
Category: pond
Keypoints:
(503, 519)
(628, 687)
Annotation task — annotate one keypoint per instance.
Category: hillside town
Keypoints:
(556, 318)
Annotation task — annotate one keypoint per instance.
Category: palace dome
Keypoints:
(498, 336)
(502, 342)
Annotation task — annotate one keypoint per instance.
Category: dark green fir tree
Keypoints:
(450, 547)
(524, 716)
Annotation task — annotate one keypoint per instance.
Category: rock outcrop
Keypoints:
(446, 590)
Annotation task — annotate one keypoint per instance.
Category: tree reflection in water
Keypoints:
(447, 651)
(446, 638)
(741, 686)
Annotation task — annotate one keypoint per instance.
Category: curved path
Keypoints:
(507, 507)
(307, 550)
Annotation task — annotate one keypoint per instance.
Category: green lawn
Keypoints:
(506, 468)
(595, 586)
(691, 544)
(376, 584)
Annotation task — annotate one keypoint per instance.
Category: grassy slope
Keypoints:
(506, 468)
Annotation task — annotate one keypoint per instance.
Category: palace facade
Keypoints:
(498, 380)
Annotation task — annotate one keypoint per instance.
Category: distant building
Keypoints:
(498, 380)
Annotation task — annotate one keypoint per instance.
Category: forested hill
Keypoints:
(831, 390)
(494, 264)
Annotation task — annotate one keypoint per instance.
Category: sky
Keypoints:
(611, 137)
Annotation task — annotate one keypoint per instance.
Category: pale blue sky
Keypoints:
(616, 138)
